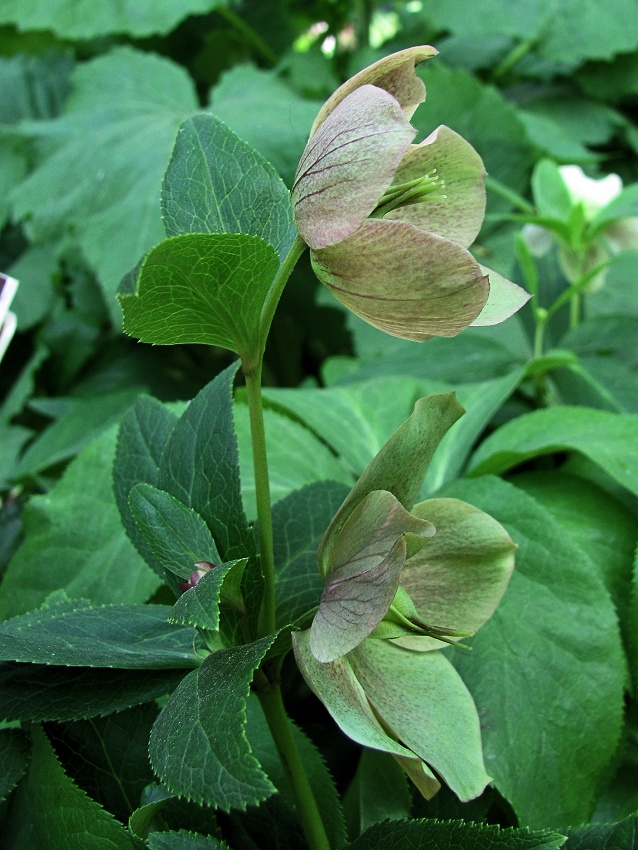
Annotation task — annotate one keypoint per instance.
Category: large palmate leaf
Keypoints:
(85, 19)
(198, 745)
(74, 540)
(550, 658)
(102, 161)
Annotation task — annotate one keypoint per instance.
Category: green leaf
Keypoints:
(596, 521)
(603, 335)
(605, 836)
(82, 421)
(416, 834)
(200, 466)
(120, 145)
(378, 792)
(143, 435)
(550, 657)
(35, 269)
(199, 606)
(176, 535)
(72, 633)
(203, 288)
(600, 382)
(87, 19)
(296, 457)
(183, 840)
(624, 205)
(14, 758)
(74, 540)
(551, 195)
(108, 756)
(31, 693)
(355, 420)
(267, 114)
(198, 746)
(565, 32)
(321, 782)
(216, 183)
(60, 813)
(608, 439)
(299, 523)
(481, 401)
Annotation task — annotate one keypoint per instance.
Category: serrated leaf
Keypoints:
(122, 146)
(108, 756)
(216, 183)
(193, 289)
(33, 693)
(198, 745)
(252, 102)
(416, 834)
(142, 437)
(608, 439)
(74, 634)
(14, 759)
(62, 815)
(74, 541)
(200, 466)
(86, 19)
(605, 836)
(175, 534)
(199, 606)
(183, 840)
(550, 657)
(299, 523)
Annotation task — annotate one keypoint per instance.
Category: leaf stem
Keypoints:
(508, 194)
(281, 729)
(266, 622)
(277, 287)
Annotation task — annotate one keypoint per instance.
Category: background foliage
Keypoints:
(91, 98)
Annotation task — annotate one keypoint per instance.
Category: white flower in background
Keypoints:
(586, 216)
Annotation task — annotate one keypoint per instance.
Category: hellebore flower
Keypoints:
(402, 582)
(388, 222)
(594, 226)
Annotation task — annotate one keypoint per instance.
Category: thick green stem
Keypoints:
(513, 58)
(270, 695)
(281, 729)
(574, 310)
(266, 623)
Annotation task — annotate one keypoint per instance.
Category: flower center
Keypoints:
(430, 186)
(403, 613)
